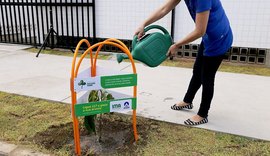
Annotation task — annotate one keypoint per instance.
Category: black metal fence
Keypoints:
(29, 21)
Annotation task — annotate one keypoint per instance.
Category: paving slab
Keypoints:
(6, 148)
(25, 152)
(240, 105)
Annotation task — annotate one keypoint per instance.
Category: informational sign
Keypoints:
(118, 81)
(93, 108)
(99, 82)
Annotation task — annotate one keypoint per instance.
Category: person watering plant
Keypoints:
(212, 24)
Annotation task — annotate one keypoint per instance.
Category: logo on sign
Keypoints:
(82, 83)
(126, 105)
(116, 106)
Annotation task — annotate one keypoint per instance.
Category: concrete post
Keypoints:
(267, 58)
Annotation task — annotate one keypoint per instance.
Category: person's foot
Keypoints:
(196, 120)
(182, 105)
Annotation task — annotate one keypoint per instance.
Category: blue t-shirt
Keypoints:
(218, 38)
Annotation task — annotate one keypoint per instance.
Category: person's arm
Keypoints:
(200, 29)
(156, 15)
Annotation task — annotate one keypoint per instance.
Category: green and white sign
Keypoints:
(105, 106)
(99, 82)
(118, 81)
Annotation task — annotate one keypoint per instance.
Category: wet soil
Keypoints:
(114, 136)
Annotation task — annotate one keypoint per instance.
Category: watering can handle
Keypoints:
(156, 27)
(135, 38)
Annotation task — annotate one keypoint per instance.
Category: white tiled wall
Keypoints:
(250, 21)
(120, 19)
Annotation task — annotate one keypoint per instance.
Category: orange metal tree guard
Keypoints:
(93, 62)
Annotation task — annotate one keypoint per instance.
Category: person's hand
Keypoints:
(140, 31)
(172, 50)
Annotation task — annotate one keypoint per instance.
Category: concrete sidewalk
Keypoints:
(7, 149)
(240, 105)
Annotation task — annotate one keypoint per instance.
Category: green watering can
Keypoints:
(151, 49)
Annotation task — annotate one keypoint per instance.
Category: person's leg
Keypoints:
(194, 84)
(209, 69)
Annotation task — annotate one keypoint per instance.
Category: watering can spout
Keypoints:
(120, 57)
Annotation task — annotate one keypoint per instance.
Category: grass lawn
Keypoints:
(242, 68)
(47, 126)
